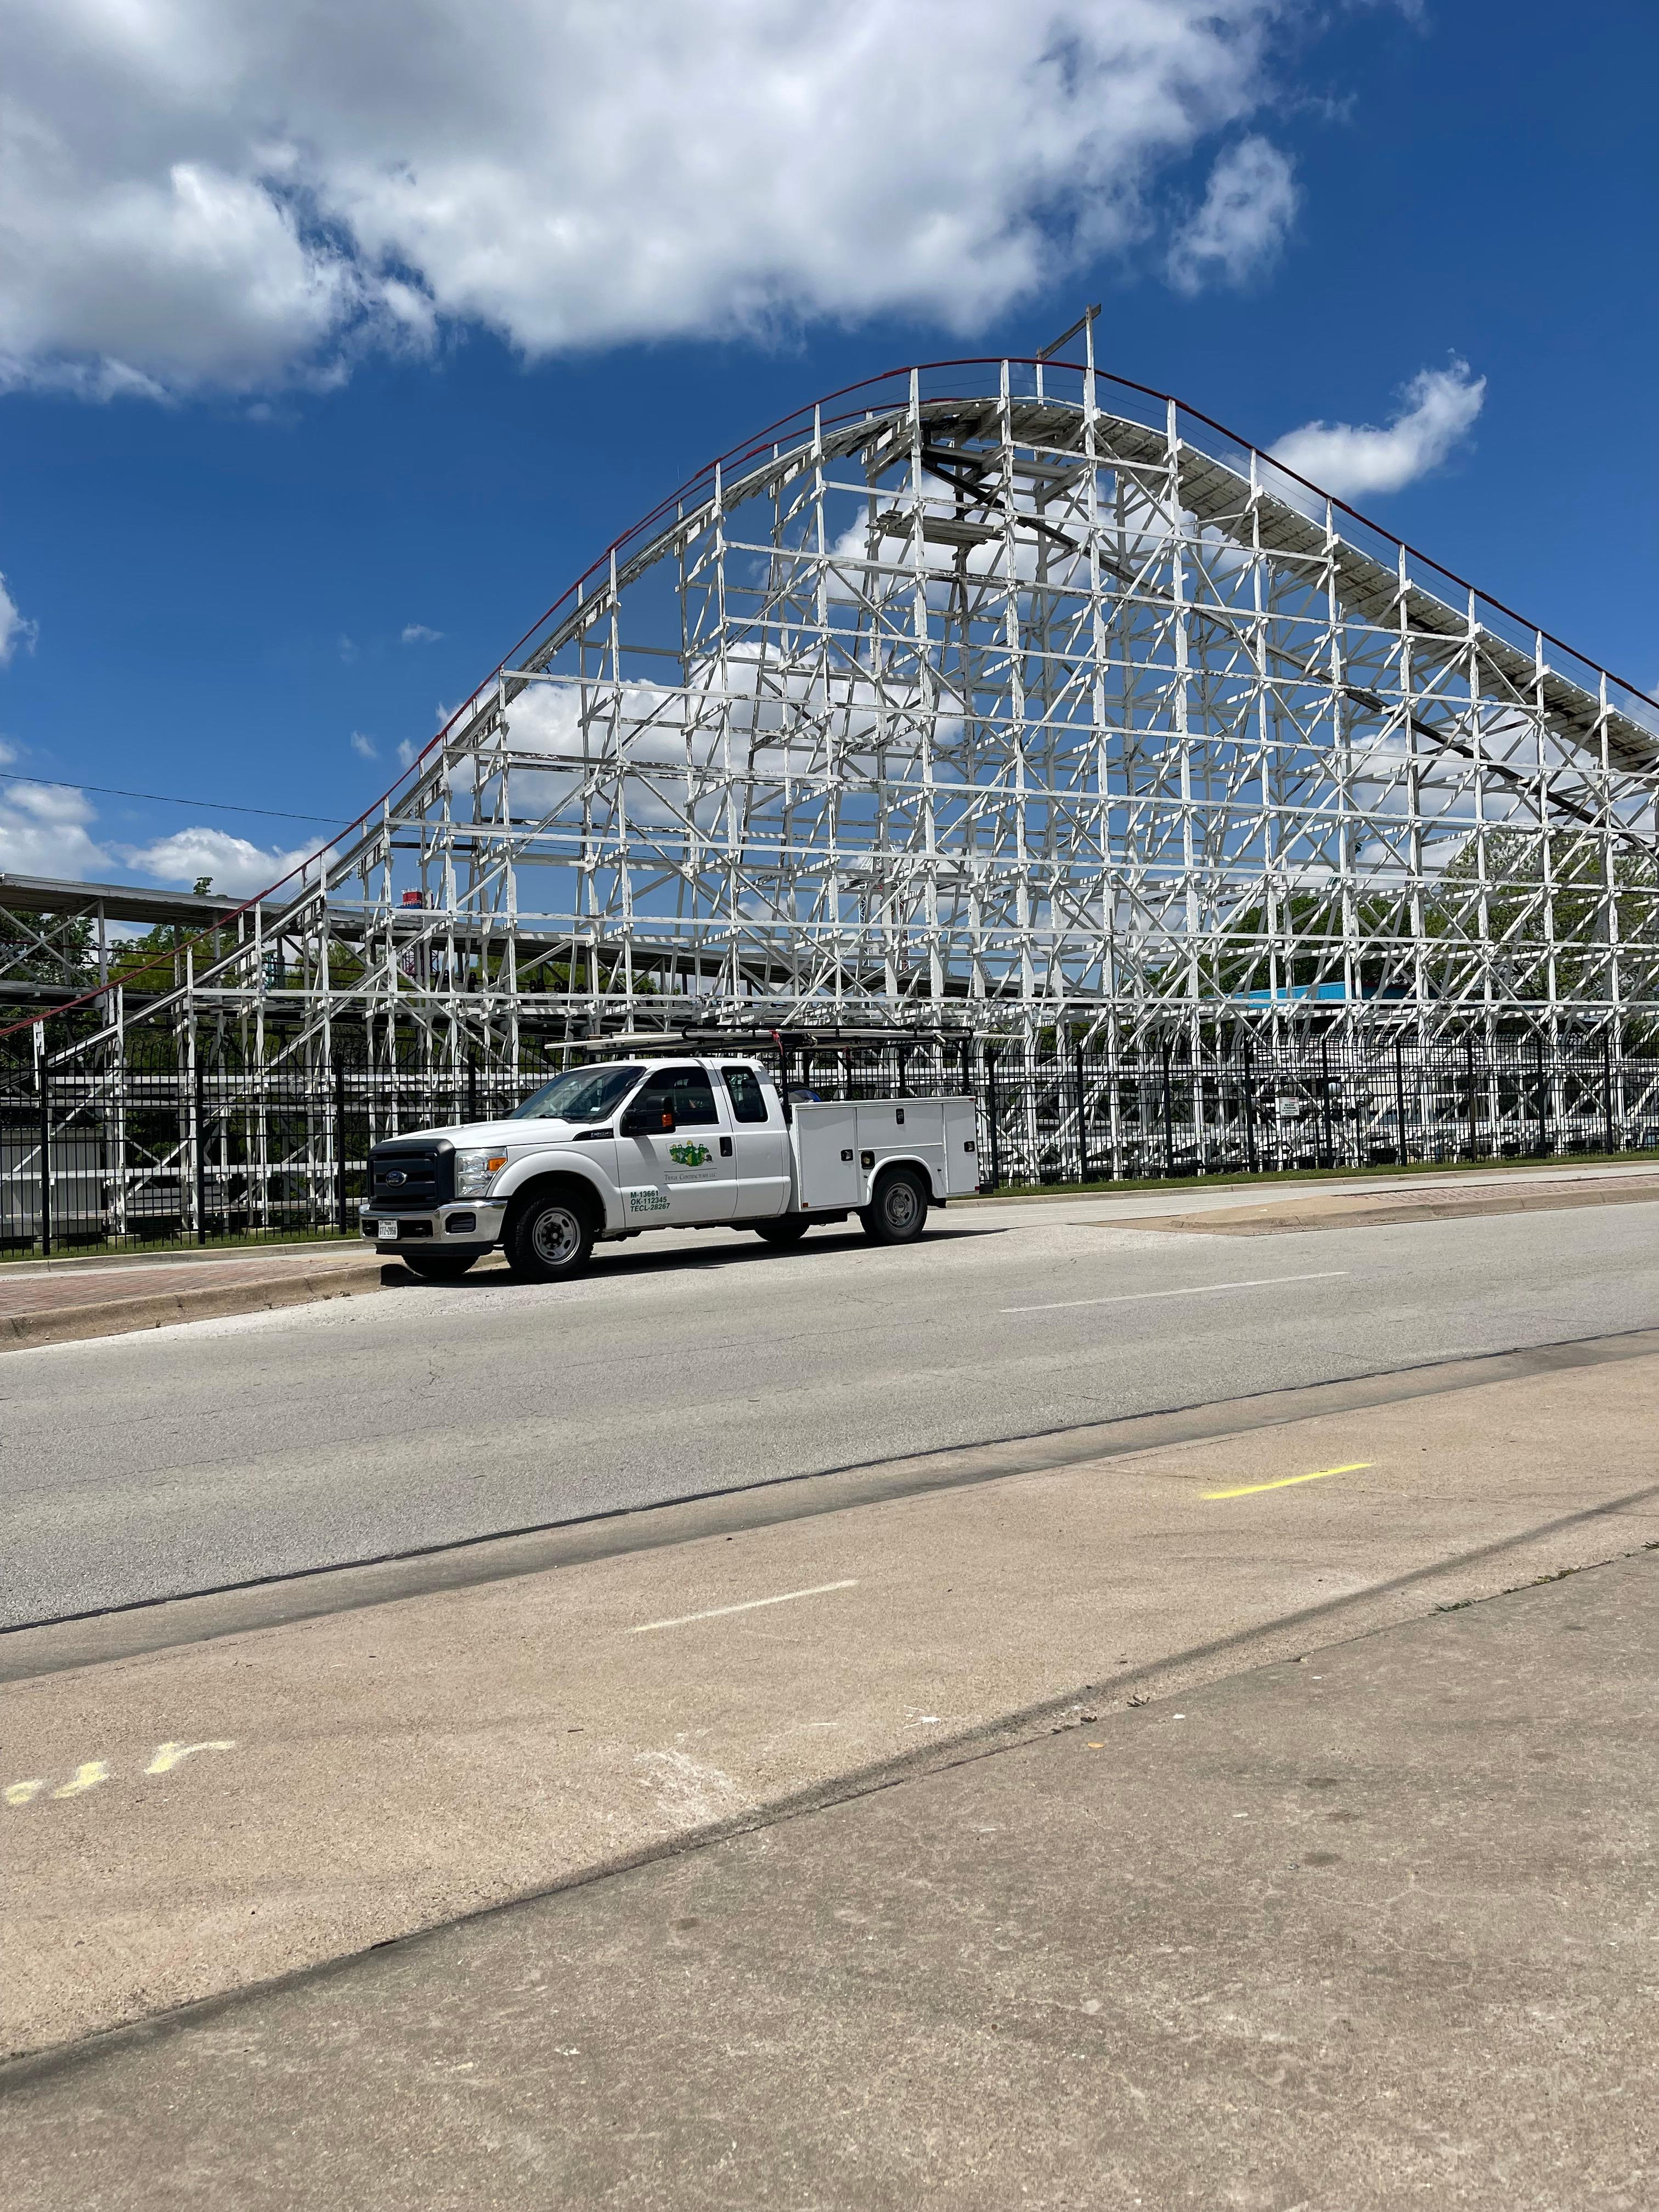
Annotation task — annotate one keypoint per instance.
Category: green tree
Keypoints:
(67, 959)
(1547, 894)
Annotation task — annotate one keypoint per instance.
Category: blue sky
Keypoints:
(320, 377)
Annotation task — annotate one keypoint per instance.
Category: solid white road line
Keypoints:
(1192, 1291)
(750, 1604)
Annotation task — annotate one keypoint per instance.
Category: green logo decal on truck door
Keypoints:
(690, 1156)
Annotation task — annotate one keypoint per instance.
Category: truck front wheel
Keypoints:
(549, 1241)
(440, 1267)
(897, 1213)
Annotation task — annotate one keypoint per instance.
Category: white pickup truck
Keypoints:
(690, 1140)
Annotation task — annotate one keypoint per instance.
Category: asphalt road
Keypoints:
(143, 1467)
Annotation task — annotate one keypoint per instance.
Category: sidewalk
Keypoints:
(1345, 1207)
(53, 1301)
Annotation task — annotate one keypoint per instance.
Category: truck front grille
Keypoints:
(415, 1178)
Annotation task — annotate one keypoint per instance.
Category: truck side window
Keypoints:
(748, 1099)
(687, 1090)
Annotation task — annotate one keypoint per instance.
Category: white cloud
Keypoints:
(45, 831)
(418, 633)
(363, 747)
(15, 629)
(236, 868)
(1250, 203)
(127, 277)
(1350, 460)
(407, 749)
(234, 193)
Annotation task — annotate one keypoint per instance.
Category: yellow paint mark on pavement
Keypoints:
(169, 1755)
(87, 1776)
(22, 1793)
(1285, 1481)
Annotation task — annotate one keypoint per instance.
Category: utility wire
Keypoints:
(160, 799)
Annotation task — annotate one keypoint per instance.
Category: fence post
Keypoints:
(45, 1159)
(1607, 1087)
(1169, 1115)
(1082, 1119)
(1249, 1107)
(991, 1117)
(1399, 1096)
(1325, 1096)
(344, 1218)
(1543, 1119)
(198, 1130)
(472, 1090)
(1474, 1128)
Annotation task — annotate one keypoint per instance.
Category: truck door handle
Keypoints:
(726, 1148)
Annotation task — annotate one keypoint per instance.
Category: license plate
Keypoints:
(386, 1232)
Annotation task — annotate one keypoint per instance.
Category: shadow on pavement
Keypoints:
(608, 1261)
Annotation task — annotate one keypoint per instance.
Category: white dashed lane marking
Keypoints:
(750, 1605)
(1189, 1291)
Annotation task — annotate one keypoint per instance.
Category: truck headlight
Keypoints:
(474, 1171)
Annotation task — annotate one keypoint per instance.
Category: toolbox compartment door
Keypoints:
(825, 1139)
(961, 1147)
(902, 1129)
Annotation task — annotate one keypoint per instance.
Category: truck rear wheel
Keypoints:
(897, 1213)
(550, 1240)
(789, 1229)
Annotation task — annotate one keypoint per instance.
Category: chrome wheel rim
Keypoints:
(556, 1236)
(900, 1205)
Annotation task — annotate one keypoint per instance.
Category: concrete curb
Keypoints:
(163, 1309)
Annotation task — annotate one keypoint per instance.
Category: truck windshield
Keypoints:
(586, 1094)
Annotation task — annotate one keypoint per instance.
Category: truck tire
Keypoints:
(789, 1229)
(440, 1267)
(550, 1239)
(898, 1211)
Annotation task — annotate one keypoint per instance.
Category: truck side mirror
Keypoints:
(654, 1118)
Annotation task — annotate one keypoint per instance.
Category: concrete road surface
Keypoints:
(1372, 1930)
(241, 1793)
(224, 1451)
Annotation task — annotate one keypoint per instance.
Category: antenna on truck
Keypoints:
(783, 1077)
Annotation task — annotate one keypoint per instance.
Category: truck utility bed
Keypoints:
(839, 1149)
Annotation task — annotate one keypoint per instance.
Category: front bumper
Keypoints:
(467, 1222)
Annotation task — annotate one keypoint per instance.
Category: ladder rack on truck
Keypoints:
(667, 1131)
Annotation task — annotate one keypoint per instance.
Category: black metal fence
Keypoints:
(130, 1159)
(1240, 1108)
